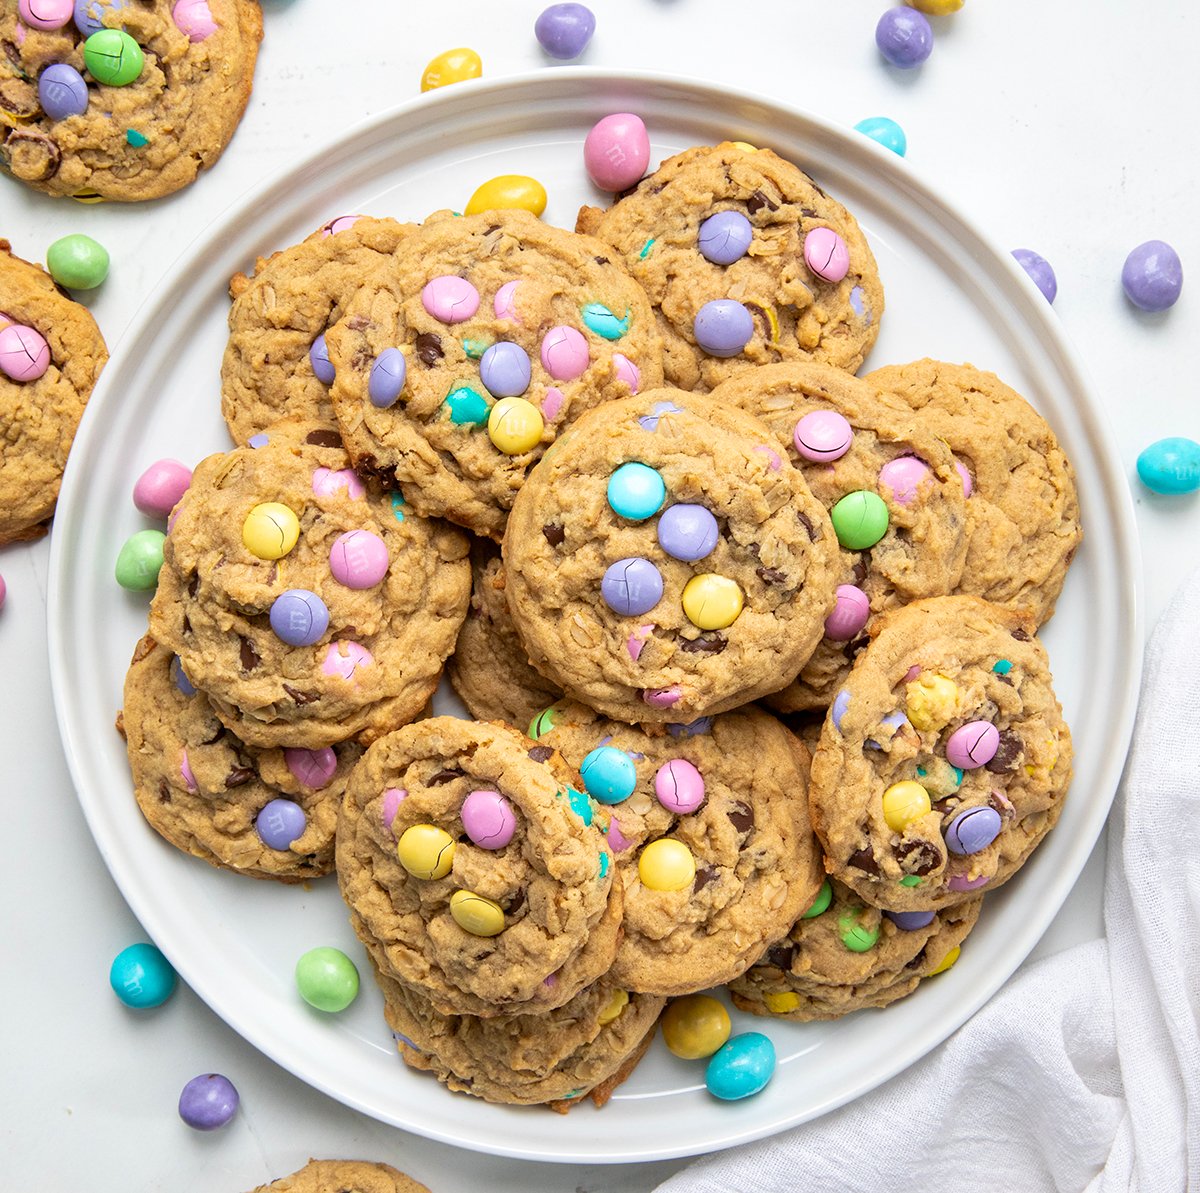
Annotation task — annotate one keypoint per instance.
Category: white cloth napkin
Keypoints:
(1083, 1073)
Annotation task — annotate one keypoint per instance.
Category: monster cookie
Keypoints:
(275, 364)
(892, 491)
(747, 262)
(265, 813)
(344, 1176)
(51, 354)
(308, 609)
(587, 1046)
(489, 668)
(944, 759)
(842, 955)
(665, 560)
(130, 100)
(474, 872)
(491, 333)
(1022, 508)
(710, 831)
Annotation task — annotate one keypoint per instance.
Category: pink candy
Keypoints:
(826, 254)
(358, 559)
(194, 18)
(336, 225)
(823, 436)
(160, 487)
(24, 353)
(849, 614)
(968, 485)
(617, 840)
(504, 303)
(972, 745)
(451, 299)
(488, 819)
(617, 151)
(326, 483)
(392, 799)
(45, 14)
(662, 697)
(565, 354)
(627, 371)
(552, 404)
(185, 771)
(344, 657)
(679, 787)
(312, 768)
(903, 476)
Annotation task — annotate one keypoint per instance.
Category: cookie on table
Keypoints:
(665, 561)
(282, 310)
(51, 354)
(492, 332)
(744, 228)
(586, 1047)
(843, 955)
(944, 759)
(344, 1176)
(891, 486)
(711, 836)
(203, 790)
(138, 113)
(489, 668)
(307, 608)
(474, 872)
(1022, 509)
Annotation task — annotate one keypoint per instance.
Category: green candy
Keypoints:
(910, 880)
(855, 936)
(327, 979)
(466, 406)
(860, 520)
(542, 723)
(77, 262)
(820, 903)
(140, 560)
(113, 57)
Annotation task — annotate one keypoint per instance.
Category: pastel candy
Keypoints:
(24, 353)
(723, 327)
(961, 882)
(270, 530)
(140, 560)
(965, 476)
(903, 803)
(299, 617)
(1040, 271)
(666, 865)
(903, 475)
(451, 66)
(515, 426)
(849, 615)
(194, 18)
(358, 559)
(687, 532)
(627, 372)
(45, 14)
(741, 1067)
(504, 304)
(387, 378)
(312, 768)
(339, 224)
(1170, 466)
(344, 657)
(158, 490)
(488, 819)
(636, 491)
(679, 786)
(904, 37)
(426, 851)
(552, 402)
(712, 602)
(508, 192)
(884, 131)
(89, 14)
(632, 586)
(565, 353)
(826, 254)
(725, 237)
(564, 30)
(62, 91)
(280, 823)
(973, 830)
(140, 975)
(327, 482)
(318, 356)
(113, 57)
(608, 774)
(505, 370)
(860, 520)
(450, 299)
(1153, 276)
(695, 1026)
(822, 436)
(208, 1101)
(910, 921)
(616, 151)
(476, 914)
(973, 744)
(327, 979)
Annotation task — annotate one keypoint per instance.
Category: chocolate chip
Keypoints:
(741, 816)
(808, 213)
(602, 261)
(1020, 635)
(919, 959)
(781, 956)
(806, 522)
(713, 645)
(238, 776)
(1005, 679)
(864, 860)
(540, 753)
(448, 775)
(187, 625)
(301, 698)
(323, 439)
(771, 575)
(917, 857)
(852, 648)
(490, 229)
(758, 201)
(516, 903)
(250, 658)
(273, 574)
(553, 533)
(358, 322)
(429, 348)
(704, 875)
(1007, 752)
(860, 571)
(14, 56)
(164, 792)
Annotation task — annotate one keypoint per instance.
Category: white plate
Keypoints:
(950, 294)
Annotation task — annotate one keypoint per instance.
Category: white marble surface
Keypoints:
(1058, 127)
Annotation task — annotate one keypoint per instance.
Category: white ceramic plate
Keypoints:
(950, 294)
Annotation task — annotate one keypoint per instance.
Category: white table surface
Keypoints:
(1065, 127)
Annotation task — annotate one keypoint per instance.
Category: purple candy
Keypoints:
(62, 91)
(564, 30)
(489, 819)
(1039, 271)
(841, 702)
(904, 37)
(903, 476)
(89, 14)
(687, 532)
(182, 682)
(505, 370)
(312, 768)
(965, 475)
(960, 882)
(1153, 276)
(208, 1102)
(973, 745)
(387, 378)
(849, 614)
(823, 436)
(299, 617)
(696, 728)
(632, 586)
(910, 921)
(725, 237)
(280, 823)
(723, 327)
(318, 354)
(259, 440)
(973, 830)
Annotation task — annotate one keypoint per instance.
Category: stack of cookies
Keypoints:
(771, 626)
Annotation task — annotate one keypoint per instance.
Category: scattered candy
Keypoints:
(270, 530)
(141, 976)
(113, 57)
(826, 254)
(158, 490)
(280, 822)
(884, 131)
(1153, 276)
(666, 865)
(194, 18)
(450, 298)
(426, 851)
(903, 476)
(318, 356)
(712, 602)
(930, 701)
(741, 1067)
(636, 491)
(608, 774)
(632, 586)
(947, 961)
(936, 8)
(856, 936)
(965, 476)
(695, 1026)
(208, 1102)
(515, 426)
(327, 979)
(904, 37)
(178, 674)
(973, 744)
(723, 327)
(1039, 270)
(62, 91)
(45, 14)
(860, 520)
(140, 560)
(903, 803)
(475, 914)
(24, 353)
(506, 192)
(616, 151)
(821, 903)
(386, 381)
(359, 559)
(725, 237)
(962, 882)
(580, 805)
(565, 353)
(823, 436)
(679, 787)
(451, 66)
(688, 532)
(849, 615)
(564, 30)
(488, 819)
(841, 704)
(3, 592)
(89, 14)
(467, 406)
(1170, 466)
(505, 370)
(973, 830)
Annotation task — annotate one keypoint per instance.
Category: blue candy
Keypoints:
(740, 1067)
(636, 492)
(608, 774)
(886, 132)
(1171, 466)
(387, 378)
(141, 976)
(598, 318)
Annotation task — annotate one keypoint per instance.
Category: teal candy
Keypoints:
(646, 249)
(136, 139)
(140, 560)
(603, 865)
(608, 774)
(475, 348)
(397, 502)
(1171, 466)
(742, 1066)
(598, 318)
(141, 977)
(886, 132)
(580, 805)
(636, 492)
(467, 406)
(1002, 667)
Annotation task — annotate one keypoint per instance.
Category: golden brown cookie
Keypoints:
(344, 1176)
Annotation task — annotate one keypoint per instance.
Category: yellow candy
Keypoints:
(903, 803)
(782, 1002)
(712, 602)
(931, 701)
(745, 146)
(515, 426)
(452, 66)
(475, 914)
(936, 8)
(618, 1001)
(947, 961)
(426, 851)
(508, 191)
(695, 1026)
(666, 865)
(270, 530)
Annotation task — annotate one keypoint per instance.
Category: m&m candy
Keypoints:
(508, 192)
(475, 914)
(741, 1067)
(904, 37)
(616, 151)
(723, 327)
(451, 66)
(636, 491)
(208, 1102)
(608, 774)
(488, 819)
(1170, 466)
(564, 30)
(45, 14)
(158, 490)
(1153, 276)
(687, 532)
(725, 237)
(884, 131)
(280, 822)
(679, 786)
(270, 530)
(666, 865)
(695, 1026)
(505, 370)
(903, 803)
(113, 57)
(712, 602)
(426, 851)
(386, 380)
(62, 92)
(141, 976)
(24, 353)
(327, 979)
(632, 586)
(823, 436)
(972, 745)
(515, 426)
(1040, 271)
(860, 520)
(140, 560)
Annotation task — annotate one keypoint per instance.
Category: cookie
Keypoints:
(559, 1057)
(474, 872)
(664, 561)
(789, 266)
(51, 354)
(864, 457)
(203, 790)
(944, 759)
(729, 798)
(175, 85)
(307, 608)
(842, 956)
(344, 1176)
(491, 333)
(1022, 510)
(282, 309)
